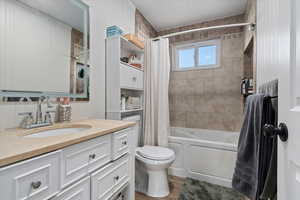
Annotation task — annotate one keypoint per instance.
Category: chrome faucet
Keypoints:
(39, 113)
(28, 121)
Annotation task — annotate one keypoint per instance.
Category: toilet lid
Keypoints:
(155, 153)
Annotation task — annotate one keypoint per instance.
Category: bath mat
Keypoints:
(199, 190)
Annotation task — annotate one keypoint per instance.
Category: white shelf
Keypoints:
(133, 110)
(129, 46)
(133, 89)
(129, 65)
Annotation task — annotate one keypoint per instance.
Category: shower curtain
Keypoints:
(156, 109)
(157, 75)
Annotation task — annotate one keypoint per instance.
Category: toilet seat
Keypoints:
(155, 153)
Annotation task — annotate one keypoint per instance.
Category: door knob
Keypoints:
(272, 131)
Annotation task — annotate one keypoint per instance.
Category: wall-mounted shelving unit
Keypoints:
(122, 79)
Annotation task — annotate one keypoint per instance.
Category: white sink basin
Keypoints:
(56, 132)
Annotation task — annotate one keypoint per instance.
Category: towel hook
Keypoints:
(272, 131)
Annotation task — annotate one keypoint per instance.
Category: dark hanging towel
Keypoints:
(267, 185)
(270, 187)
(255, 172)
(245, 178)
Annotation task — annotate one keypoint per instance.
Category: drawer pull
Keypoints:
(116, 178)
(124, 142)
(36, 185)
(92, 156)
(134, 79)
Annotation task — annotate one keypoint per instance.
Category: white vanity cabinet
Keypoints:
(108, 180)
(95, 169)
(81, 159)
(34, 179)
(81, 190)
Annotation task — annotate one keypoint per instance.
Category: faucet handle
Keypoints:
(48, 118)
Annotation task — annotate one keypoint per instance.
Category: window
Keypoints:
(200, 55)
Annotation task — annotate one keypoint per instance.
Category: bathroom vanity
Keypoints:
(92, 164)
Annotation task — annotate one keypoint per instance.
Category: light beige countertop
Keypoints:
(15, 147)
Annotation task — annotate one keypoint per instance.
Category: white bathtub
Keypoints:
(206, 155)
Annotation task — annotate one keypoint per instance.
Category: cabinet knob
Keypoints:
(36, 185)
(117, 178)
(124, 142)
(134, 78)
(92, 156)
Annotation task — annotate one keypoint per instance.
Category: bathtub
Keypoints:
(206, 155)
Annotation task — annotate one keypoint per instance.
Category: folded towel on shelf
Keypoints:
(245, 177)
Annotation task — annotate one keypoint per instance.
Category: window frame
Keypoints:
(195, 45)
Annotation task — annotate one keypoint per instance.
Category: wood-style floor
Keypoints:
(175, 188)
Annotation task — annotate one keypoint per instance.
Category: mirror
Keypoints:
(44, 49)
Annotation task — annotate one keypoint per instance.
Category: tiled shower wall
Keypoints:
(250, 41)
(210, 98)
(143, 28)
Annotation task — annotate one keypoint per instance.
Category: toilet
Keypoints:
(155, 161)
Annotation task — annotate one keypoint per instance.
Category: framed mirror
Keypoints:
(44, 49)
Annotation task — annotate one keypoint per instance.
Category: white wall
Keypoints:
(103, 13)
(267, 40)
(275, 59)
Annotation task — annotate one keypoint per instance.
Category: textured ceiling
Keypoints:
(165, 14)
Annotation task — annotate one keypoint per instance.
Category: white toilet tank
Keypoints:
(137, 119)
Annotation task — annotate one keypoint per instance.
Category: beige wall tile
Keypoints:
(210, 98)
(143, 28)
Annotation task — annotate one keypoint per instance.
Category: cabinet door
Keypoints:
(127, 75)
(33, 179)
(121, 172)
(108, 180)
(78, 191)
(120, 143)
(131, 77)
(81, 159)
(102, 183)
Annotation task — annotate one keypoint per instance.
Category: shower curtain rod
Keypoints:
(205, 29)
